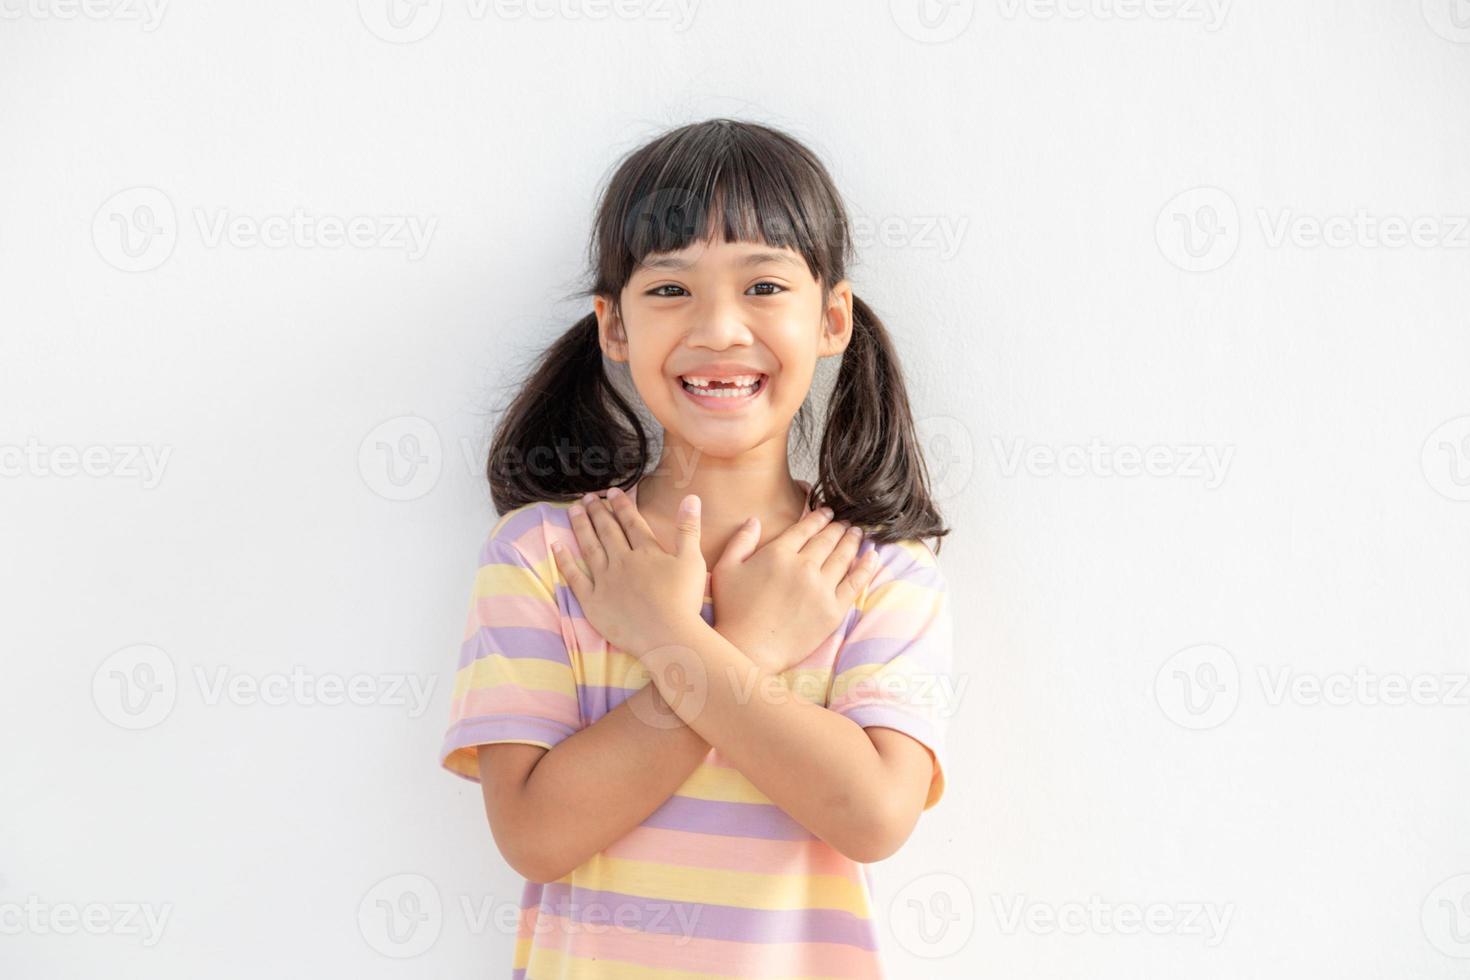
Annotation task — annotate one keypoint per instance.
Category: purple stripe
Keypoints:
(482, 731)
(515, 642)
(762, 820)
(701, 920)
(888, 716)
(879, 650)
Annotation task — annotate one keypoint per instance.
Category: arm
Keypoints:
(550, 811)
(861, 793)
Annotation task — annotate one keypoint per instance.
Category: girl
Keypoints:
(699, 699)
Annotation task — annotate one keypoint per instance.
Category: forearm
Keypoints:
(595, 786)
(815, 764)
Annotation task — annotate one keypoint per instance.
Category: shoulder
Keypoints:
(910, 561)
(526, 532)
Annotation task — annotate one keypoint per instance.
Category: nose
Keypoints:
(719, 323)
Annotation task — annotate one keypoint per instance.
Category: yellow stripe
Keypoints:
(501, 579)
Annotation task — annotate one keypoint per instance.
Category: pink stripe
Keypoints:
(512, 610)
(719, 957)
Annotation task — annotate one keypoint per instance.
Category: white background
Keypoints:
(1017, 172)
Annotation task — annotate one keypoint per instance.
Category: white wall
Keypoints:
(1021, 170)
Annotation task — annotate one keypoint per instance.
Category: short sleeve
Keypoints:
(514, 681)
(893, 669)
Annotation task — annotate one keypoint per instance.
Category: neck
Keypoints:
(757, 483)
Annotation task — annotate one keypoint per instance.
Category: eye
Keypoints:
(655, 291)
(773, 285)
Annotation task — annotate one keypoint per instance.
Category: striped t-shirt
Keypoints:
(719, 881)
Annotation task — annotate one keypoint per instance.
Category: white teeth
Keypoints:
(743, 380)
(702, 387)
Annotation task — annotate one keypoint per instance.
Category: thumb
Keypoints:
(742, 543)
(688, 526)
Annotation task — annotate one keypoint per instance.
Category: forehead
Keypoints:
(720, 254)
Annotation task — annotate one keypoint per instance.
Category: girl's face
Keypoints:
(745, 322)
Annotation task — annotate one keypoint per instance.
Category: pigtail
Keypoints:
(870, 469)
(568, 430)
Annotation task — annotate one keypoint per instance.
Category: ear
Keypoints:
(610, 329)
(836, 321)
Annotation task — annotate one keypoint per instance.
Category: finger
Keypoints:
(576, 579)
(609, 531)
(799, 533)
(592, 550)
(686, 538)
(819, 546)
(639, 534)
(859, 578)
(840, 560)
(742, 543)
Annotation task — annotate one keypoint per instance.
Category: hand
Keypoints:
(778, 602)
(634, 592)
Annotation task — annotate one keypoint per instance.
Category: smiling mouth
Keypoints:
(712, 393)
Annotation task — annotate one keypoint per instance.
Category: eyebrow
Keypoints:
(754, 258)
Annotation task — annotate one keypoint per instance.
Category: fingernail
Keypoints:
(854, 529)
(691, 504)
(588, 497)
(828, 511)
(614, 492)
(577, 510)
